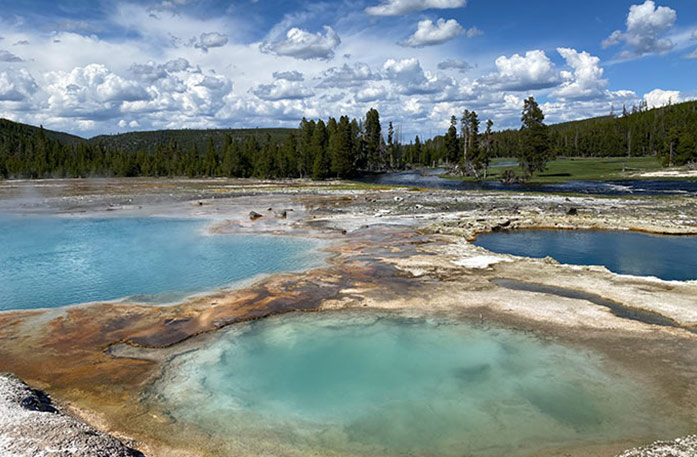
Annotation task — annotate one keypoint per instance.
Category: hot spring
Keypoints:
(55, 261)
(367, 384)
(639, 254)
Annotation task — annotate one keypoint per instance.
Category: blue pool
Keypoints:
(666, 257)
(389, 385)
(53, 261)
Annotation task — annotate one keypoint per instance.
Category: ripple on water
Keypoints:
(361, 384)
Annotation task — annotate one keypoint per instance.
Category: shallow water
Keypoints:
(52, 261)
(639, 254)
(431, 179)
(387, 385)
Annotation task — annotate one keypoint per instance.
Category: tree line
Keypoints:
(347, 147)
(668, 132)
(467, 151)
(338, 148)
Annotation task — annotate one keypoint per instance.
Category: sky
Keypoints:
(109, 66)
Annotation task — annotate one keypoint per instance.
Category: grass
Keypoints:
(580, 169)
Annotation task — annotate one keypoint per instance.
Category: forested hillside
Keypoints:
(186, 139)
(14, 132)
(669, 132)
(337, 148)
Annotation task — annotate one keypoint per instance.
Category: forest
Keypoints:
(346, 147)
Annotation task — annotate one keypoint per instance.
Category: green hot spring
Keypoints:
(367, 384)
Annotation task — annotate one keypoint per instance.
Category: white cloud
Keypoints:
(133, 124)
(401, 7)
(289, 75)
(149, 72)
(410, 79)
(17, 86)
(7, 56)
(694, 34)
(429, 34)
(371, 93)
(512, 102)
(646, 24)
(210, 40)
(282, 89)
(302, 44)
(455, 64)
(659, 97)
(586, 80)
(348, 76)
(177, 65)
(473, 32)
(91, 92)
(533, 71)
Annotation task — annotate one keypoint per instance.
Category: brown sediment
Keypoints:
(381, 263)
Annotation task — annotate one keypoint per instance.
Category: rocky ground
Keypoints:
(389, 249)
(32, 426)
(681, 447)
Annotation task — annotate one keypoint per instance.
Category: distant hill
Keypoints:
(186, 139)
(16, 132)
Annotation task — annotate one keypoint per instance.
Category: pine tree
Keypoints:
(451, 142)
(318, 149)
(534, 150)
(341, 148)
(373, 135)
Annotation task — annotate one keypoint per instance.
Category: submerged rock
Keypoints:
(30, 425)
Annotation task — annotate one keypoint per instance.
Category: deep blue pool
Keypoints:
(633, 253)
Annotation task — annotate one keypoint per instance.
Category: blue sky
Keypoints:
(91, 67)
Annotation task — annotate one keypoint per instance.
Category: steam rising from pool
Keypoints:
(387, 385)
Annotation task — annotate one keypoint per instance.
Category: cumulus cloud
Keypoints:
(410, 79)
(149, 71)
(7, 56)
(455, 64)
(17, 86)
(473, 32)
(659, 97)
(586, 80)
(92, 91)
(289, 75)
(371, 93)
(348, 76)
(533, 71)
(177, 65)
(133, 124)
(401, 7)
(301, 44)
(694, 34)
(282, 89)
(429, 34)
(210, 40)
(646, 25)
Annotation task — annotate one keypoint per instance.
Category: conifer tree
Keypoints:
(534, 150)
